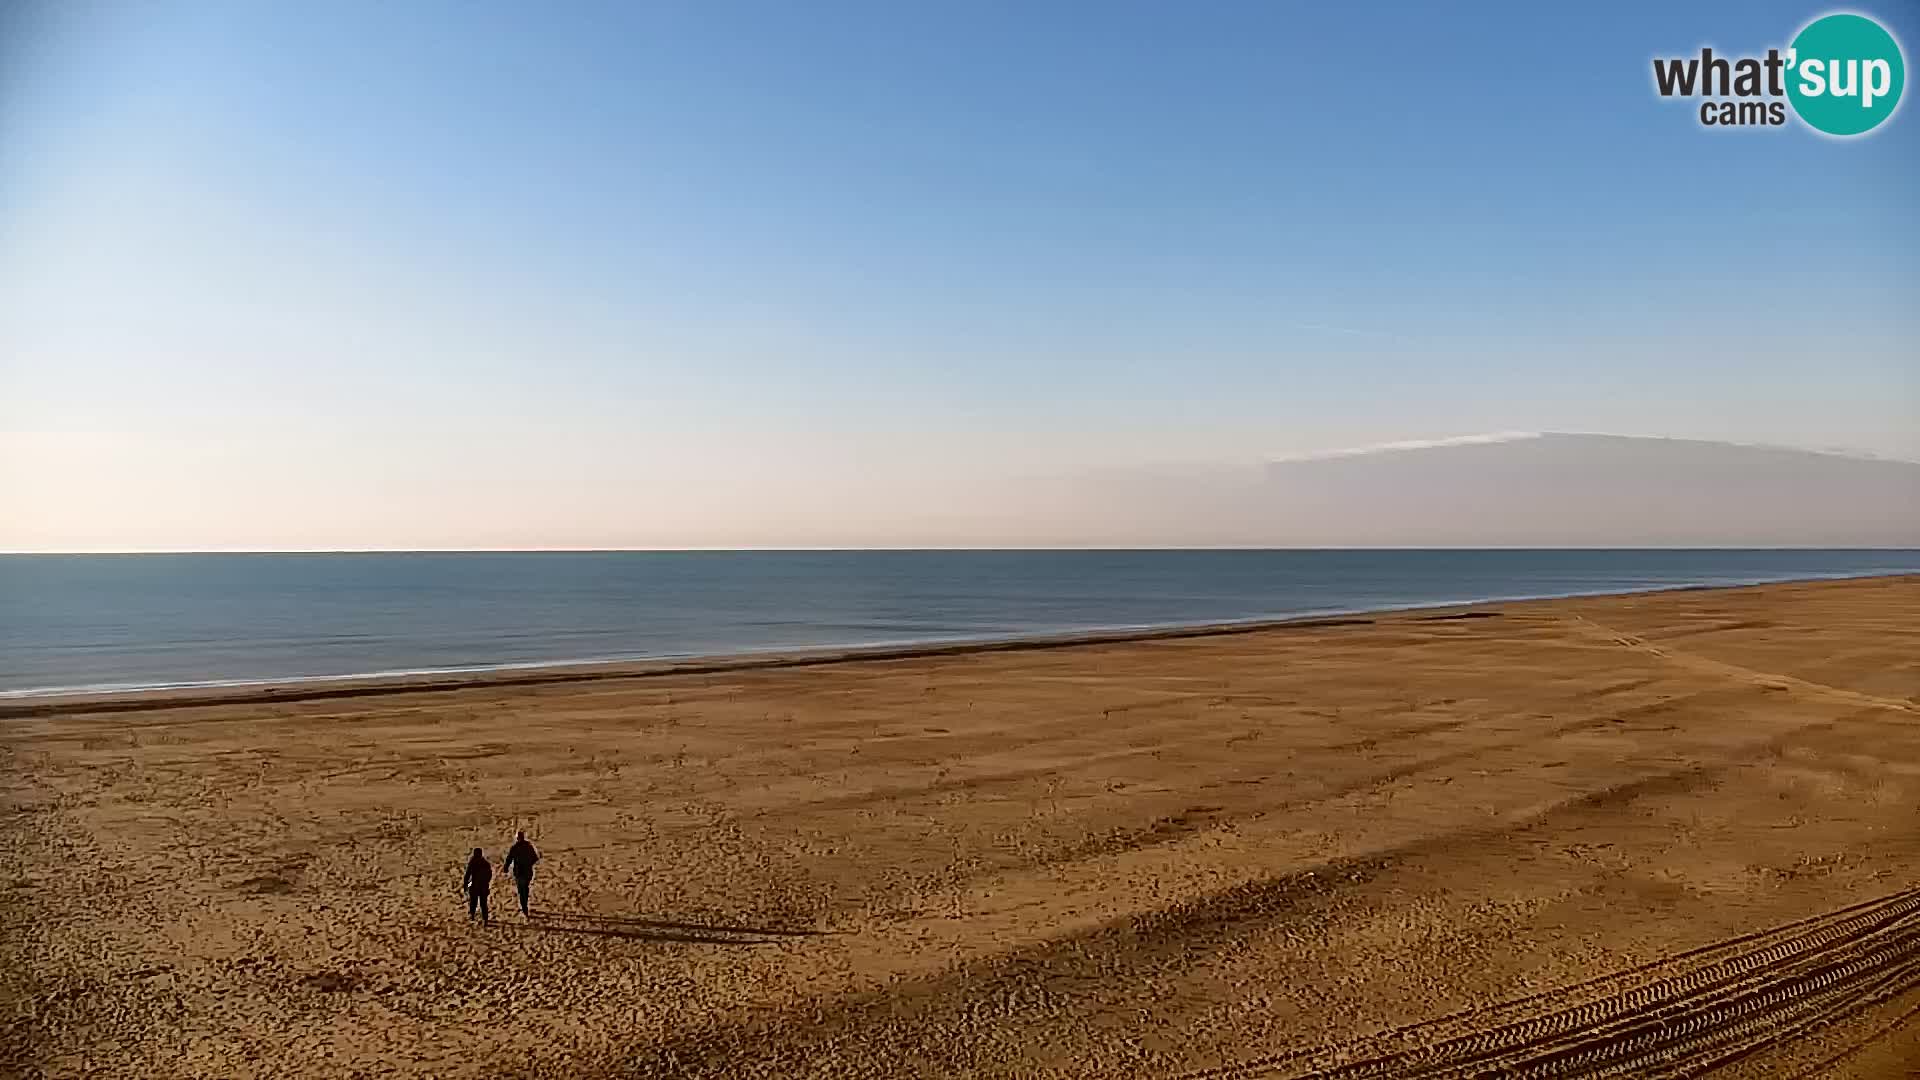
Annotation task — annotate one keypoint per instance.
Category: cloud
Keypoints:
(1412, 444)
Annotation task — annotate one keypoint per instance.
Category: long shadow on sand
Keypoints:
(657, 929)
(539, 926)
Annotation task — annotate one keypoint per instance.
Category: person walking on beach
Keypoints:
(520, 860)
(478, 882)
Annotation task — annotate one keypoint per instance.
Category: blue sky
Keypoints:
(705, 254)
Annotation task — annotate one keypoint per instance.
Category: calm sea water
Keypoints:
(124, 621)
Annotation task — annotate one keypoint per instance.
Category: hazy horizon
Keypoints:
(1505, 490)
(458, 277)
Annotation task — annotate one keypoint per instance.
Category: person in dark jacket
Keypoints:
(478, 882)
(520, 860)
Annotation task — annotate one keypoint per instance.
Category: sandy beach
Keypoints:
(1529, 827)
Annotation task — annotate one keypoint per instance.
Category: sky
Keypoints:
(483, 274)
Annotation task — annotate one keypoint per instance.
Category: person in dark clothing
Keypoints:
(520, 860)
(478, 882)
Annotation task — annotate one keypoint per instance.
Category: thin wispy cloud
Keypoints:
(1411, 444)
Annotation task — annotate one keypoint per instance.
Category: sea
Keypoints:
(126, 622)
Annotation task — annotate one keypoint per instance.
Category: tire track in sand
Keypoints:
(1747, 675)
(1683, 1015)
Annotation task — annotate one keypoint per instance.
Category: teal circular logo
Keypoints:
(1845, 74)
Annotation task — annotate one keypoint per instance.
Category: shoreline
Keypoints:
(67, 701)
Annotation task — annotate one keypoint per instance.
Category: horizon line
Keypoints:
(938, 549)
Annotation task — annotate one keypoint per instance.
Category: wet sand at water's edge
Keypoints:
(1150, 857)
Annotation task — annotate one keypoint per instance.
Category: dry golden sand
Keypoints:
(1125, 859)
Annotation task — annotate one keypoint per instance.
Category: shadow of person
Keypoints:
(663, 925)
(638, 934)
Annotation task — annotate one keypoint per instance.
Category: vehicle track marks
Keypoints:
(1683, 1015)
(1743, 674)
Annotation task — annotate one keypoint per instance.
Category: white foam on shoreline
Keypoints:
(855, 647)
